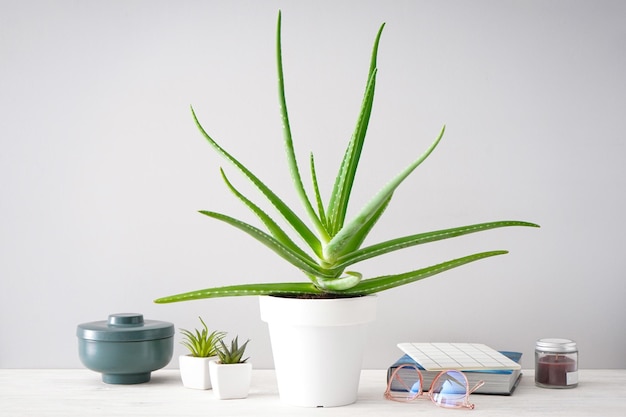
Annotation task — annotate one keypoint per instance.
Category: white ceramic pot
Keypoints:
(194, 371)
(230, 381)
(318, 347)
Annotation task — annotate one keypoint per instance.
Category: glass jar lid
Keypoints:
(556, 345)
(125, 327)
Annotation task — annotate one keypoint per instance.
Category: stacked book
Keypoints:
(500, 379)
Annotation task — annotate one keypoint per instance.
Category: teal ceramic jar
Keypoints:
(125, 348)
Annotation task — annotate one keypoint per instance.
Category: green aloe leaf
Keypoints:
(359, 236)
(289, 148)
(386, 282)
(340, 196)
(278, 233)
(285, 288)
(340, 244)
(298, 225)
(342, 189)
(316, 189)
(285, 252)
(343, 283)
(420, 238)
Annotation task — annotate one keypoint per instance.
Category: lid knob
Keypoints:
(125, 319)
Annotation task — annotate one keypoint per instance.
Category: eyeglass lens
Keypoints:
(405, 384)
(450, 389)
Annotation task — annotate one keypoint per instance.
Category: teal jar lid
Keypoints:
(125, 327)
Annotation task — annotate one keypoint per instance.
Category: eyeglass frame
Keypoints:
(394, 375)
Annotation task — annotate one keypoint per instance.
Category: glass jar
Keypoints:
(556, 363)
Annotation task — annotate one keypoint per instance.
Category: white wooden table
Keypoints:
(80, 392)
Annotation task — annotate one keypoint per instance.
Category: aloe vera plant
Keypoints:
(331, 242)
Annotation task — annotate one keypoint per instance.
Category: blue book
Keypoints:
(497, 381)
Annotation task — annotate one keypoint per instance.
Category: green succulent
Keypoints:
(332, 243)
(202, 344)
(233, 354)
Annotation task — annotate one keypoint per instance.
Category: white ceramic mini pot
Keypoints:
(194, 371)
(230, 381)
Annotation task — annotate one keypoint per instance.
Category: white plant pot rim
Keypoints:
(343, 311)
(189, 355)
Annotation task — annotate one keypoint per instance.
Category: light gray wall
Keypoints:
(102, 170)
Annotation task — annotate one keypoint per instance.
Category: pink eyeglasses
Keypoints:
(449, 389)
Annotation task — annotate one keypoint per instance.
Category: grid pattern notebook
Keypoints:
(461, 356)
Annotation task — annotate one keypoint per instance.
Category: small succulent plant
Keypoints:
(233, 354)
(201, 343)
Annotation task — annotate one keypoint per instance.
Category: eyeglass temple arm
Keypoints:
(475, 387)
